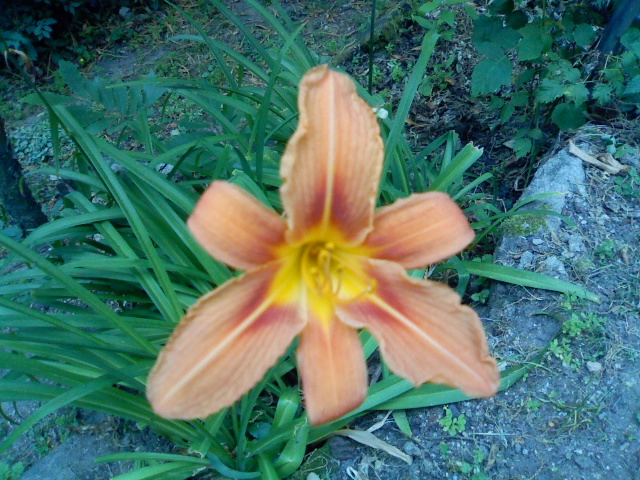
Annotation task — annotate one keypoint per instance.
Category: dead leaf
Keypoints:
(606, 162)
(370, 440)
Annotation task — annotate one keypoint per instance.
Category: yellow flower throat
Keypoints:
(333, 273)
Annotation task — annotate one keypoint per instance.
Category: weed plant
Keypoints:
(88, 300)
(542, 71)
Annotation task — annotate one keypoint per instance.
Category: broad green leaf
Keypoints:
(566, 72)
(490, 50)
(529, 48)
(631, 41)
(602, 93)
(517, 19)
(489, 75)
(506, 112)
(633, 87)
(490, 30)
(550, 89)
(568, 116)
(522, 147)
(584, 35)
(448, 17)
(578, 93)
(501, 7)
(534, 43)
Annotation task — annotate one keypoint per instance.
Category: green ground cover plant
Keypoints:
(89, 298)
(541, 69)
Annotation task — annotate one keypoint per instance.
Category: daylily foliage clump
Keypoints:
(332, 265)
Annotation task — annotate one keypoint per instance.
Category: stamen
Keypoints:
(336, 288)
(329, 269)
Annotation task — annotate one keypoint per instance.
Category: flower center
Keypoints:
(334, 273)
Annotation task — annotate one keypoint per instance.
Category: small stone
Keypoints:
(554, 267)
(537, 241)
(594, 367)
(526, 260)
(585, 463)
(576, 245)
(411, 448)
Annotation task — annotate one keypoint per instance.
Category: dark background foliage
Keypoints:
(53, 29)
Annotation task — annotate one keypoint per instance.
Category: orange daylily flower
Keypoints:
(331, 266)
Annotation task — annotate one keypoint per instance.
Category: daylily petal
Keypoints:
(223, 347)
(332, 164)
(419, 230)
(235, 228)
(333, 370)
(425, 335)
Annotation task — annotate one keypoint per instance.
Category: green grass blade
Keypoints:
(430, 395)
(456, 168)
(76, 290)
(164, 471)
(402, 112)
(524, 278)
(166, 300)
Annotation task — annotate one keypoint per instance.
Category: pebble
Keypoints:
(584, 462)
(555, 267)
(576, 245)
(594, 367)
(526, 260)
(411, 448)
(454, 410)
(537, 241)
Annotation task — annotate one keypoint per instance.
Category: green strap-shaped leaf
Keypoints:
(525, 278)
